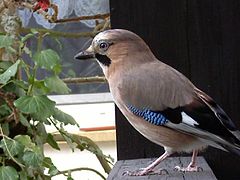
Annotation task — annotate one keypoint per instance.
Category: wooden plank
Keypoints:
(162, 26)
(214, 55)
(82, 98)
(169, 164)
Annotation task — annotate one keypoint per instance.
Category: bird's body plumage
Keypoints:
(133, 89)
(160, 102)
(146, 87)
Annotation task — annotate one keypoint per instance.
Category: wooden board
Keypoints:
(169, 164)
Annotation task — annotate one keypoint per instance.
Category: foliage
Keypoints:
(25, 109)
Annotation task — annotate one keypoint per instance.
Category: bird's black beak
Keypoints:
(85, 55)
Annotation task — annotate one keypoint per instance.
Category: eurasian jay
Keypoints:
(158, 101)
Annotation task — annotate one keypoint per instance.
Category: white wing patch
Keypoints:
(188, 120)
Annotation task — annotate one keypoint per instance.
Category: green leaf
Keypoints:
(57, 69)
(24, 121)
(71, 73)
(41, 118)
(8, 173)
(4, 65)
(40, 105)
(13, 88)
(5, 128)
(34, 31)
(11, 50)
(20, 83)
(63, 117)
(23, 175)
(27, 36)
(39, 88)
(55, 84)
(5, 41)
(47, 162)
(41, 130)
(26, 141)
(11, 146)
(53, 170)
(5, 110)
(47, 59)
(32, 159)
(52, 142)
(69, 142)
(40, 141)
(69, 178)
(10, 72)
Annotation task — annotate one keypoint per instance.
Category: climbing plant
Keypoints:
(25, 107)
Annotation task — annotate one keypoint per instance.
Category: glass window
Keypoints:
(67, 47)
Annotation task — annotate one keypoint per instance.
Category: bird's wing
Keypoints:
(163, 96)
(204, 118)
(156, 86)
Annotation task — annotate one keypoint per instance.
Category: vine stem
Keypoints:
(80, 169)
(79, 80)
(75, 19)
(59, 33)
(75, 138)
(9, 153)
(39, 47)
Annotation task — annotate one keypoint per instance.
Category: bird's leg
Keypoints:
(149, 169)
(192, 165)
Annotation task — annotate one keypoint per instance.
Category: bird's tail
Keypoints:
(236, 134)
(233, 147)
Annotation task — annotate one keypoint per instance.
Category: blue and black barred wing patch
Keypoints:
(153, 117)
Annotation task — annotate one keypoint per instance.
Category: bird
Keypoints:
(159, 101)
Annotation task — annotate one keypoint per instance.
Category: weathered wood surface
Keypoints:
(120, 167)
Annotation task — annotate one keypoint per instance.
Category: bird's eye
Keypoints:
(103, 46)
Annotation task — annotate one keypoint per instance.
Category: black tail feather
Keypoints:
(233, 150)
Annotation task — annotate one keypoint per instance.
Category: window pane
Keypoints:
(68, 47)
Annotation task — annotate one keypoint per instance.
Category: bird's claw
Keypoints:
(144, 172)
(139, 172)
(188, 169)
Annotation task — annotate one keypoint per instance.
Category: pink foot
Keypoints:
(189, 168)
(149, 170)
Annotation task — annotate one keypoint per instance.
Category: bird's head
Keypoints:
(115, 47)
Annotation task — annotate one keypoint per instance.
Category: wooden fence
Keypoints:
(200, 38)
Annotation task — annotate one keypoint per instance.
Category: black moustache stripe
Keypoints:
(103, 59)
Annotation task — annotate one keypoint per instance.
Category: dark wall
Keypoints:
(200, 38)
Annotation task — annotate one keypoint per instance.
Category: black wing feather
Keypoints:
(209, 116)
(219, 113)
